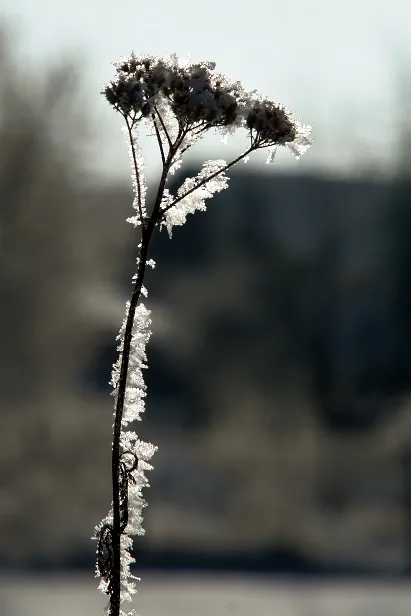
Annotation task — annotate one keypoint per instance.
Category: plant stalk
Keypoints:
(147, 232)
(116, 585)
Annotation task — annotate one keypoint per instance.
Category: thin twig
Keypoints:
(136, 171)
(205, 180)
(160, 143)
(163, 126)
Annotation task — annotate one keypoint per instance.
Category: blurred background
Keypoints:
(279, 380)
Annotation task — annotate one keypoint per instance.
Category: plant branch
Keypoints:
(160, 143)
(163, 126)
(136, 171)
(204, 181)
(122, 383)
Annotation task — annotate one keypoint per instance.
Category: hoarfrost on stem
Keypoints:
(193, 193)
(135, 458)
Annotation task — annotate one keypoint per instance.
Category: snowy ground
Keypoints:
(197, 595)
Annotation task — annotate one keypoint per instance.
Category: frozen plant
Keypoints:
(179, 102)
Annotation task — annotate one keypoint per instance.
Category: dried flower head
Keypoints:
(270, 124)
(138, 83)
(197, 95)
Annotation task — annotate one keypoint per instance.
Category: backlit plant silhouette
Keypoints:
(179, 101)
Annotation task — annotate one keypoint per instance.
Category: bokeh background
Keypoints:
(279, 380)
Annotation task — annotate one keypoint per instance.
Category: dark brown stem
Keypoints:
(147, 228)
(116, 453)
(147, 231)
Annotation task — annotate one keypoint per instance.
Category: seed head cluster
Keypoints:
(271, 122)
(138, 83)
(198, 96)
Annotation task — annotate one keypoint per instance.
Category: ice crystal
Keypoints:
(137, 176)
(193, 193)
(135, 453)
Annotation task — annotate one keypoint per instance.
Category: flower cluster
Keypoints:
(199, 97)
(135, 87)
(270, 122)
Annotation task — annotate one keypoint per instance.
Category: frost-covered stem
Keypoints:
(160, 143)
(207, 179)
(163, 127)
(136, 171)
(115, 596)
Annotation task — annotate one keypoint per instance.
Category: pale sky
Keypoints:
(335, 63)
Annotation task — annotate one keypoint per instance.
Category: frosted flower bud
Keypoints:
(270, 123)
(197, 97)
(138, 82)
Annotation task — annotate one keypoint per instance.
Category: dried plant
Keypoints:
(179, 101)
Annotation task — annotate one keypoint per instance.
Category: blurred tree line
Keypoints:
(280, 364)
